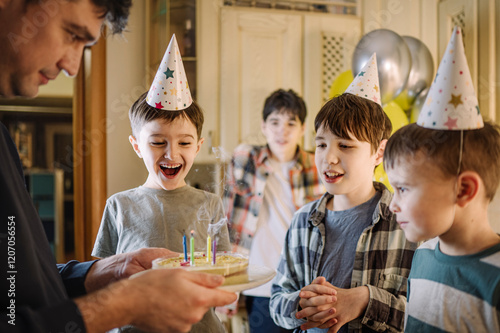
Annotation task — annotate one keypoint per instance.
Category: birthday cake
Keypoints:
(231, 265)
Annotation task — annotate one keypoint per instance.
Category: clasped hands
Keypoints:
(326, 306)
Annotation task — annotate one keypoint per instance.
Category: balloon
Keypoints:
(417, 106)
(421, 72)
(341, 83)
(380, 176)
(393, 60)
(398, 119)
(396, 115)
(402, 100)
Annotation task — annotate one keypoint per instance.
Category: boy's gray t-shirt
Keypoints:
(145, 217)
(342, 232)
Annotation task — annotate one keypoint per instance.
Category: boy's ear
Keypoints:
(468, 184)
(200, 142)
(379, 155)
(262, 125)
(135, 145)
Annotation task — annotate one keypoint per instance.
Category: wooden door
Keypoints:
(261, 51)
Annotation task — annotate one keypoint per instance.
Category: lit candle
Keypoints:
(214, 251)
(192, 247)
(209, 248)
(184, 245)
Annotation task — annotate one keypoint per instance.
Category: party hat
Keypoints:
(366, 83)
(451, 103)
(170, 90)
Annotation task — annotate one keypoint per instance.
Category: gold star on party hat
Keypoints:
(366, 83)
(451, 103)
(170, 90)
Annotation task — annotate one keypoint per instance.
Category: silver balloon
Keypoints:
(422, 69)
(417, 105)
(393, 60)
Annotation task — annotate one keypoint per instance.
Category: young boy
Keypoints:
(265, 186)
(345, 259)
(445, 173)
(164, 209)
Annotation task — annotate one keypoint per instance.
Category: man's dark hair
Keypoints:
(285, 102)
(115, 12)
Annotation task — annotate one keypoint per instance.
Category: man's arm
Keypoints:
(73, 274)
(166, 300)
(124, 265)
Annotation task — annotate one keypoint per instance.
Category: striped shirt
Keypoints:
(454, 293)
(246, 180)
(382, 263)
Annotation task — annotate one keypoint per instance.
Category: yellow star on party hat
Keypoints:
(451, 103)
(170, 90)
(366, 83)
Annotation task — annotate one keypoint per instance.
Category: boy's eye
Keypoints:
(157, 143)
(401, 189)
(320, 145)
(344, 146)
(184, 143)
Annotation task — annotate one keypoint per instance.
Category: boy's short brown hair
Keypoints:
(348, 114)
(481, 151)
(141, 113)
(284, 101)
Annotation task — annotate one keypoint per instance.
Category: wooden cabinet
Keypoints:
(47, 191)
(168, 17)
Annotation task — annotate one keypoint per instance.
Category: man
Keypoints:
(38, 40)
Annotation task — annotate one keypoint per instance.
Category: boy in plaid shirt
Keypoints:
(345, 261)
(266, 185)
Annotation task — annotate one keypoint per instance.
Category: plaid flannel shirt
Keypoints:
(382, 263)
(244, 190)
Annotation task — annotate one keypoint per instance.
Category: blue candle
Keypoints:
(184, 244)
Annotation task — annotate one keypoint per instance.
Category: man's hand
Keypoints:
(120, 266)
(350, 304)
(163, 300)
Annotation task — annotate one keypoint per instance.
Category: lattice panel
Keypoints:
(333, 61)
(459, 19)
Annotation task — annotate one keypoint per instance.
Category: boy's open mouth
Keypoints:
(170, 170)
(333, 175)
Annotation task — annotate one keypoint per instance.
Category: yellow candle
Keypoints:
(192, 248)
(209, 245)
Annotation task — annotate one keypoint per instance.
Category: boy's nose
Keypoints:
(332, 158)
(393, 206)
(170, 153)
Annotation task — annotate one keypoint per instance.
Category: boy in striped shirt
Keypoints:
(445, 170)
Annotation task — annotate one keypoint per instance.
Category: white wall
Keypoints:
(126, 76)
